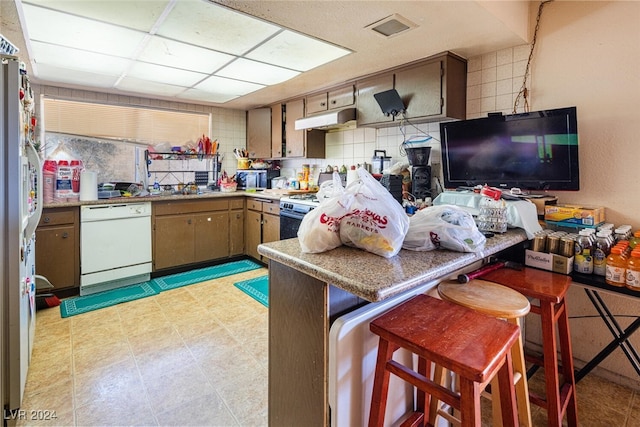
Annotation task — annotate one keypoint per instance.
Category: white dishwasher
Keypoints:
(115, 246)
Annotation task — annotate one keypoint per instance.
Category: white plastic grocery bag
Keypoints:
(376, 221)
(320, 228)
(446, 227)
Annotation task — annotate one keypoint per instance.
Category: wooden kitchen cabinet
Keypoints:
(259, 133)
(58, 247)
(369, 112)
(334, 99)
(277, 130)
(236, 227)
(306, 143)
(431, 90)
(189, 232)
(262, 225)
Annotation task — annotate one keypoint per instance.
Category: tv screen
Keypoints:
(530, 151)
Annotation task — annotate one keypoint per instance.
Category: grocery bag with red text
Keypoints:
(375, 221)
(320, 229)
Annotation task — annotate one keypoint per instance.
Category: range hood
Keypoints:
(328, 120)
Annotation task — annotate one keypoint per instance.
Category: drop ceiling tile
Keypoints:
(137, 14)
(163, 51)
(80, 33)
(55, 74)
(256, 72)
(161, 74)
(292, 50)
(223, 85)
(74, 59)
(133, 84)
(215, 27)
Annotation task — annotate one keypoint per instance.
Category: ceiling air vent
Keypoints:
(391, 26)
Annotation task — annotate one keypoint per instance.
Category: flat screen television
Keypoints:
(530, 151)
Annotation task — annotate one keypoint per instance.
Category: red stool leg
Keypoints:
(381, 383)
(568, 372)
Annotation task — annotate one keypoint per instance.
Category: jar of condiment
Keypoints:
(583, 261)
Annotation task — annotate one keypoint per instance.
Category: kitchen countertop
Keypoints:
(375, 278)
(157, 198)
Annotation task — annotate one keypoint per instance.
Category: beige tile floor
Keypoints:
(196, 355)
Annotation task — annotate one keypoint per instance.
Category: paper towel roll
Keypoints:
(352, 175)
(88, 185)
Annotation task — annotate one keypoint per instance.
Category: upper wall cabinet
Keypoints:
(337, 98)
(431, 90)
(307, 143)
(259, 133)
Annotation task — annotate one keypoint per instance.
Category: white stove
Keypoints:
(299, 203)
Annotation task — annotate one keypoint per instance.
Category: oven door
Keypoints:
(289, 224)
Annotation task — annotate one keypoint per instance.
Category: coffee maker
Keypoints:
(420, 171)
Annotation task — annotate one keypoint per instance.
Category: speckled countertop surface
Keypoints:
(177, 197)
(376, 278)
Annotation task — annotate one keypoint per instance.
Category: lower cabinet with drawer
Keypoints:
(58, 247)
(262, 224)
(195, 231)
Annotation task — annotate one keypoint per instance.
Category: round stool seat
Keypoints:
(486, 297)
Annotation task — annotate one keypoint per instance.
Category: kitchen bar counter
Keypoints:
(309, 293)
(374, 278)
(156, 198)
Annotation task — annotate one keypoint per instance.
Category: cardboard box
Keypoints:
(574, 214)
(549, 262)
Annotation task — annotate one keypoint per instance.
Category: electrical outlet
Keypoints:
(436, 170)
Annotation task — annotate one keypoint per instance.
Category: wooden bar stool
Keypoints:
(503, 303)
(549, 289)
(473, 345)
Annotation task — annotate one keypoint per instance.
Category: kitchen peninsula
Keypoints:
(308, 292)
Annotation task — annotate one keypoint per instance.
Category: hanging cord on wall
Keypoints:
(524, 92)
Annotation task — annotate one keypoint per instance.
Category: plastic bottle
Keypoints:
(616, 267)
(601, 250)
(49, 173)
(583, 261)
(635, 240)
(633, 271)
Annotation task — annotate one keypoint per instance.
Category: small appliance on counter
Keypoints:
(256, 178)
(380, 162)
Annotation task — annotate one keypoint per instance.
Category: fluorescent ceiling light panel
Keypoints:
(136, 14)
(257, 72)
(64, 57)
(65, 75)
(203, 24)
(181, 55)
(80, 33)
(192, 49)
(200, 95)
(299, 52)
(132, 84)
(228, 86)
(168, 75)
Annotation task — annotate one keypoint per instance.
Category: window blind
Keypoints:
(128, 123)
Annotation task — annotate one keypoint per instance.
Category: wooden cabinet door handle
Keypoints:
(46, 219)
(65, 235)
(188, 221)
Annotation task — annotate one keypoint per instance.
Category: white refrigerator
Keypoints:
(21, 208)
